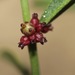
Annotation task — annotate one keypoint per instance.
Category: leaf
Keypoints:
(11, 58)
(54, 8)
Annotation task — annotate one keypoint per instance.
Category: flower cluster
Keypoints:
(33, 31)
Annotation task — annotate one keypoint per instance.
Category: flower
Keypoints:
(24, 41)
(33, 31)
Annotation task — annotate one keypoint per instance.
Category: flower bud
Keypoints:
(35, 20)
(27, 29)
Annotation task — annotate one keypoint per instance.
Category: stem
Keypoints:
(25, 10)
(32, 47)
(34, 59)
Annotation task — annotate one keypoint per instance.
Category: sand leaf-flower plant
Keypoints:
(33, 28)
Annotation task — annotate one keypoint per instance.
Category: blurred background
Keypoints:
(56, 57)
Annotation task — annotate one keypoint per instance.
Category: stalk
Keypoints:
(32, 47)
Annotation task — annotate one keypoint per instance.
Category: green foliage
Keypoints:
(54, 7)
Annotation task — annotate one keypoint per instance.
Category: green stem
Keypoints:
(32, 47)
(34, 59)
(25, 10)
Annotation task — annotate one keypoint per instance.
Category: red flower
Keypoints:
(40, 38)
(46, 27)
(33, 31)
(34, 20)
(39, 27)
(32, 38)
(23, 42)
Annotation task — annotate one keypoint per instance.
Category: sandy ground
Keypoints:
(56, 57)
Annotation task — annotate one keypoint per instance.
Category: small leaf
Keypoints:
(54, 7)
